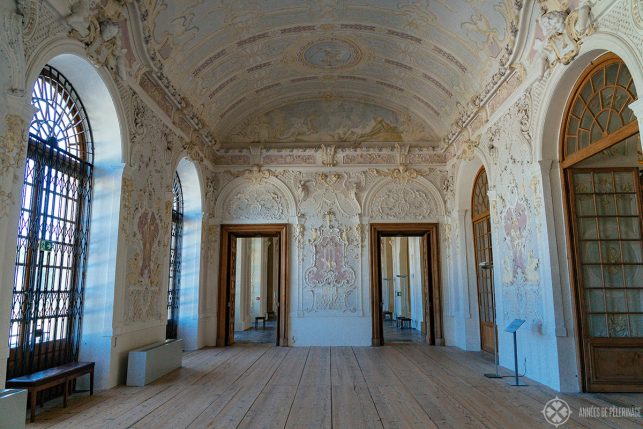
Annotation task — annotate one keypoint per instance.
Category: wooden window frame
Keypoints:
(585, 364)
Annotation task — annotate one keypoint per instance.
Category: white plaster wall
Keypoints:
(190, 327)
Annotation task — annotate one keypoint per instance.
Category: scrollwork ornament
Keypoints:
(299, 240)
(98, 28)
(13, 52)
(12, 154)
(468, 150)
(564, 31)
(524, 115)
(328, 155)
(330, 279)
(637, 13)
(401, 174)
(256, 203)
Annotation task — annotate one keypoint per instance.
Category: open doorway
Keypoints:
(403, 289)
(405, 284)
(256, 290)
(253, 285)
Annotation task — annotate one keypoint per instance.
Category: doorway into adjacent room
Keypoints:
(253, 285)
(405, 284)
(256, 290)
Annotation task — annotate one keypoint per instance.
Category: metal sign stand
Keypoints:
(512, 328)
(489, 266)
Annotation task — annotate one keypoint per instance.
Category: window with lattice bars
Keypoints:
(176, 240)
(53, 230)
(600, 106)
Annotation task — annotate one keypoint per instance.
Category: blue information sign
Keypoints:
(513, 326)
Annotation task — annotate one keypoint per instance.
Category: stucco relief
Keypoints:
(146, 207)
(399, 200)
(329, 241)
(637, 12)
(289, 159)
(369, 158)
(326, 191)
(99, 30)
(13, 66)
(12, 155)
(563, 31)
(40, 24)
(515, 212)
(330, 280)
(256, 203)
(521, 265)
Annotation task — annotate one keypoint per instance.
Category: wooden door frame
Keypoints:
(567, 162)
(230, 232)
(478, 218)
(584, 344)
(432, 292)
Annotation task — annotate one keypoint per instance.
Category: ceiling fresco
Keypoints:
(333, 121)
(409, 65)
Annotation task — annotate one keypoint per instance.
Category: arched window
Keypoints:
(603, 175)
(53, 228)
(176, 241)
(482, 249)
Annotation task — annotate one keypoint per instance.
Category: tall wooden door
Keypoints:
(483, 253)
(607, 231)
(232, 270)
(602, 166)
(426, 287)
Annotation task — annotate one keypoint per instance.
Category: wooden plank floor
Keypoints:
(259, 386)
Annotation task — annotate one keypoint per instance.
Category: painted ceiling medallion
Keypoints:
(330, 54)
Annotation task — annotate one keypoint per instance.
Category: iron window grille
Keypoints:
(176, 241)
(53, 230)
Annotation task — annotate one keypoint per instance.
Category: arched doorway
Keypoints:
(481, 219)
(601, 167)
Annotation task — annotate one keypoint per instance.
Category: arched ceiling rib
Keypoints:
(420, 59)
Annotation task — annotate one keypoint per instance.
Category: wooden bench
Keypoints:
(45, 379)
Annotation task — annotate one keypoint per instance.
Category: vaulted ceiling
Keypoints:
(303, 71)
